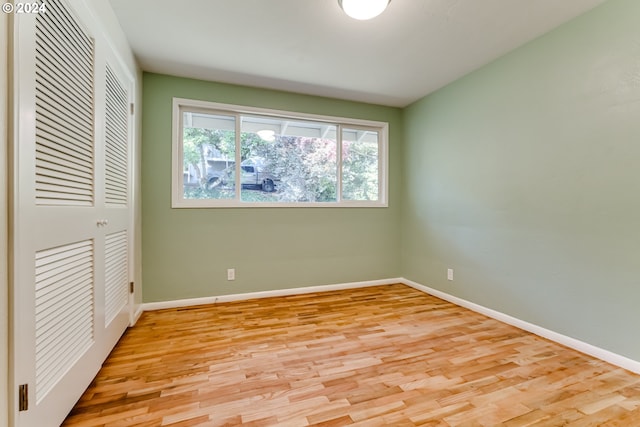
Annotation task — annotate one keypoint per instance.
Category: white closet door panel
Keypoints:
(64, 166)
(59, 245)
(58, 225)
(60, 88)
(55, 152)
(85, 179)
(52, 59)
(64, 118)
(64, 311)
(116, 142)
(117, 194)
(65, 251)
(116, 275)
(70, 40)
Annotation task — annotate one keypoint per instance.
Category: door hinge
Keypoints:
(23, 397)
(130, 287)
(133, 108)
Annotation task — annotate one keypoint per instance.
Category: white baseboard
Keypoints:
(591, 350)
(150, 306)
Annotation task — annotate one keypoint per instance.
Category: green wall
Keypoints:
(186, 252)
(524, 177)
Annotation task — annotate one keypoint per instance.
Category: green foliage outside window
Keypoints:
(306, 167)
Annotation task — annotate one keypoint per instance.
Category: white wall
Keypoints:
(4, 289)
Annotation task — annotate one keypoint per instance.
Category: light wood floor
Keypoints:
(387, 355)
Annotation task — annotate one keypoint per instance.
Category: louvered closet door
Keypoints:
(116, 201)
(71, 210)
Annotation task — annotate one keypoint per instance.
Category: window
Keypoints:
(233, 156)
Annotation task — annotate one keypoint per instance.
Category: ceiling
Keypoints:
(310, 46)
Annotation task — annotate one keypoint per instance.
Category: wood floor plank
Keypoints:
(386, 355)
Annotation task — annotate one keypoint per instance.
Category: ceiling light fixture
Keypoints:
(363, 9)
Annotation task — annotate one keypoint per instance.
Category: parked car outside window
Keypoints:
(253, 174)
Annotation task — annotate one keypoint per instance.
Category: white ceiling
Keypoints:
(312, 47)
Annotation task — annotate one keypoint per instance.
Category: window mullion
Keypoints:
(238, 158)
(339, 162)
(178, 150)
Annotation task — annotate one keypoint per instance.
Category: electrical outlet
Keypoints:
(449, 273)
(231, 274)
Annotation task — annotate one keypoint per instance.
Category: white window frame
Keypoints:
(177, 176)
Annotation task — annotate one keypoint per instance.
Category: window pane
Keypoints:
(360, 164)
(208, 148)
(288, 161)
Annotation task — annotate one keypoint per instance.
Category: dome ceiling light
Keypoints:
(363, 9)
